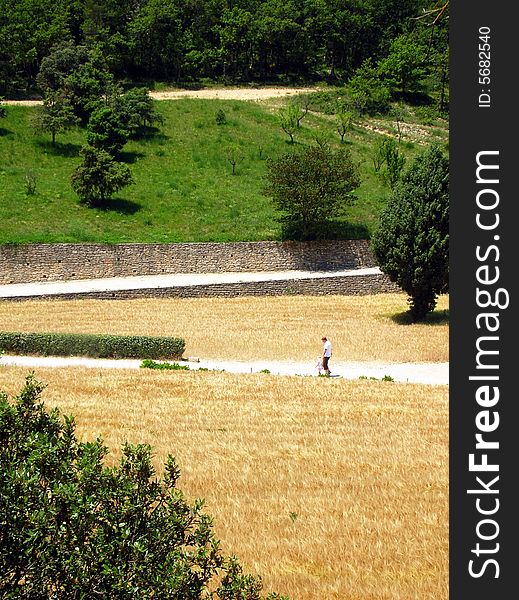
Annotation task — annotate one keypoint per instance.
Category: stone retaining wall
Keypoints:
(57, 262)
(343, 285)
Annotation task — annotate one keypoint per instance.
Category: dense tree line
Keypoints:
(229, 40)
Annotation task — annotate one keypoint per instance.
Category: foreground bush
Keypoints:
(73, 528)
(96, 346)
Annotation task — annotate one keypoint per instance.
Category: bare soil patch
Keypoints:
(208, 94)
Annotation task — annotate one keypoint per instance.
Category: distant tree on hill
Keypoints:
(55, 115)
(311, 189)
(99, 176)
(81, 74)
(106, 130)
(289, 120)
(403, 68)
(411, 243)
(135, 110)
(368, 94)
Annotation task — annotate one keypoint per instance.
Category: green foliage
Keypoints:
(90, 85)
(3, 109)
(403, 68)
(180, 41)
(106, 131)
(220, 117)
(311, 188)
(289, 120)
(56, 114)
(79, 74)
(135, 110)
(74, 528)
(99, 176)
(368, 94)
(63, 59)
(344, 122)
(388, 161)
(412, 242)
(96, 346)
(163, 366)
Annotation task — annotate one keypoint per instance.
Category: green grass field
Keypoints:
(184, 188)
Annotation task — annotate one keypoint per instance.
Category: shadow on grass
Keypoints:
(329, 230)
(151, 134)
(5, 132)
(416, 98)
(130, 157)
(437, 317)
(119, 205)
(59, 148)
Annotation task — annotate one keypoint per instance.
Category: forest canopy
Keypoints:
(230, 41)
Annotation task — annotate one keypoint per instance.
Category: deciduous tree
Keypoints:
(311, 188)
(99, 176)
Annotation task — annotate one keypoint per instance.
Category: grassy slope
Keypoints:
(184, 188)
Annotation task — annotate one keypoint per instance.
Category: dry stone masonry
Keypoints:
(58, 262)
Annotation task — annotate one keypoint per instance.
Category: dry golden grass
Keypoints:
(329, 489)
(284, 328)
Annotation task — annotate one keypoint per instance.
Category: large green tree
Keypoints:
(99, 176)
(411, 243)
(404, 67)
(311, 188)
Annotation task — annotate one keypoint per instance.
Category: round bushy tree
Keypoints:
(106, 130)
(411, 243)
(75, 528)
(311, 188)
(99, 176)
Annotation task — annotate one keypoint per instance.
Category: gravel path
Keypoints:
(426, 373)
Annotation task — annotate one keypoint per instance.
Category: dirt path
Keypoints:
(209, 93)
(424, 373)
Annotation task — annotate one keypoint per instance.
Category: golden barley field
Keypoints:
(362, 328)
(328, 489)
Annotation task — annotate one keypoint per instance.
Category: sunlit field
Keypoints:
(329, 489)
(362, 328)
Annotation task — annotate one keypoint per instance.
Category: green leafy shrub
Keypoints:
(106, 130)
(166, 366)
(74, 528)
(388, 161)
(97, 346)
(220, 117)
(99, 176)
(135, 110)
(311, 188)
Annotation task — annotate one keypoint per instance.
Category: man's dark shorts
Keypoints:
(325, 362)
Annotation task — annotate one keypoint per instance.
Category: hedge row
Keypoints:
(96, 346)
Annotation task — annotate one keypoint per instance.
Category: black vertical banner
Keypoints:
(484, 355)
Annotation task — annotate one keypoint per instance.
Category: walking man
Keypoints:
(327, 354)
